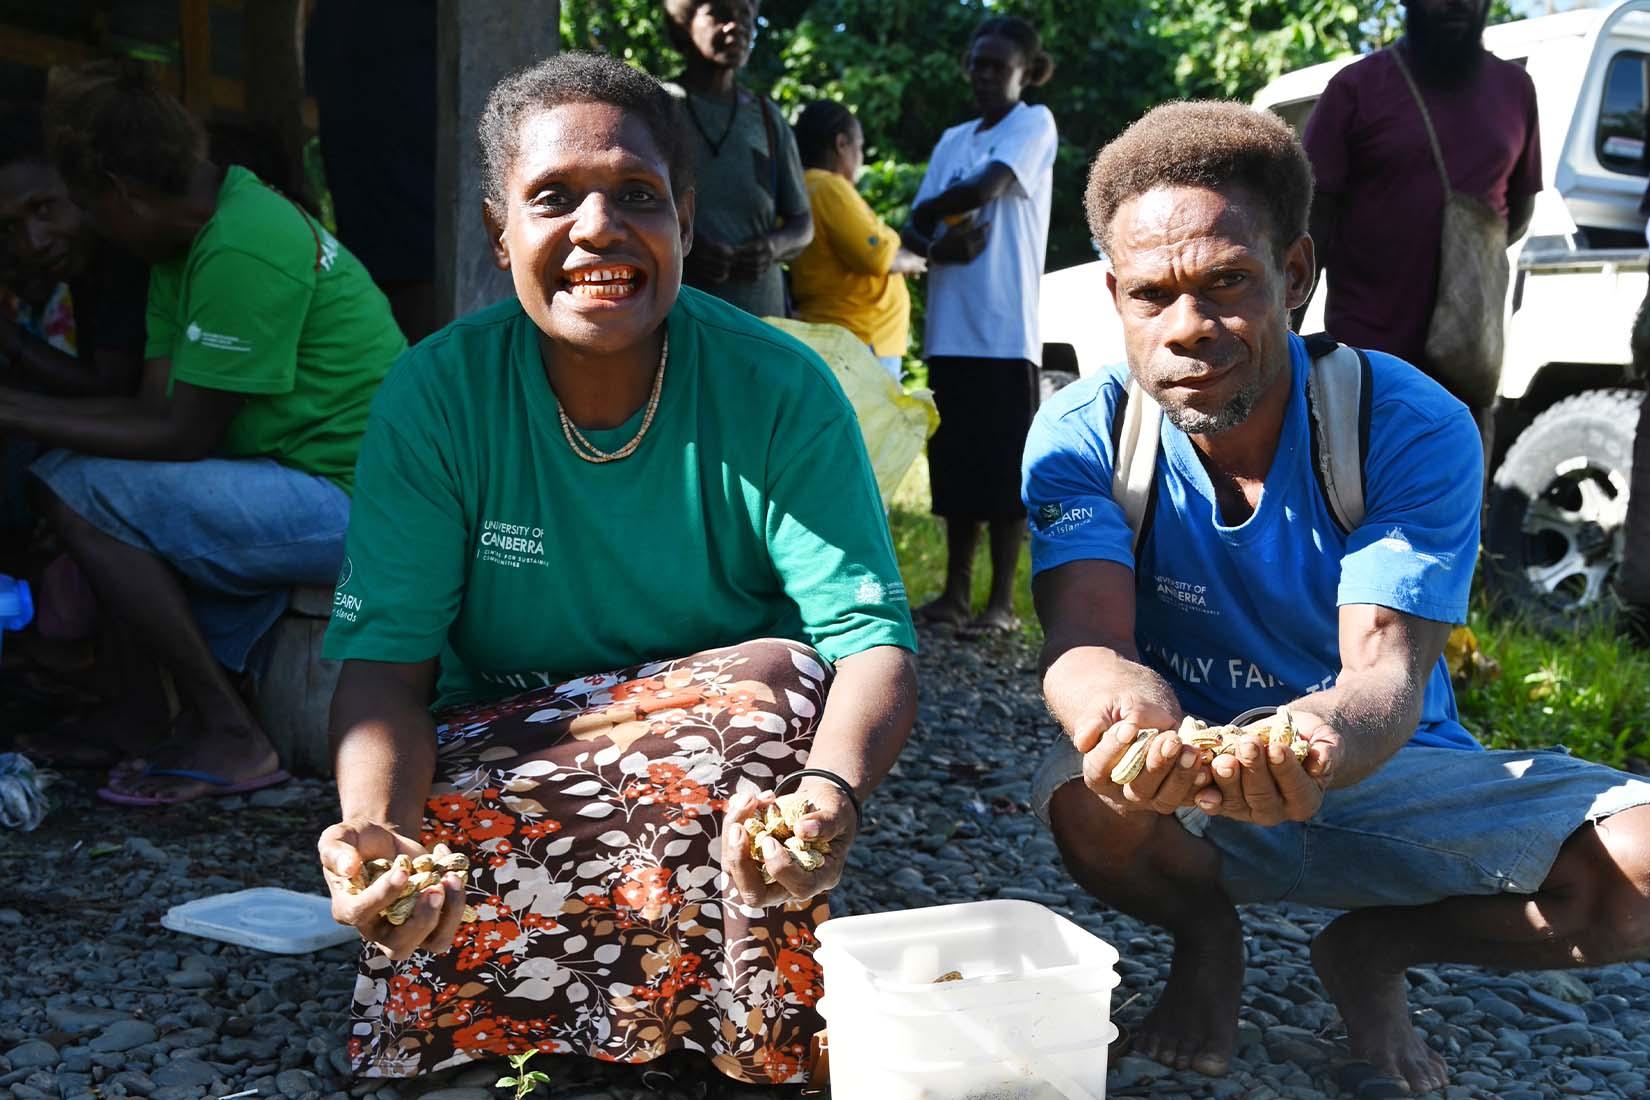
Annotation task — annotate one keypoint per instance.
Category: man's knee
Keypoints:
(1602, 878)
(1624, 889)
(1095, 840)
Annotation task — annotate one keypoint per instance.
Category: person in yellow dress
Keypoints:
(853, 274)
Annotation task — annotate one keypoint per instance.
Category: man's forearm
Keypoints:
(1373, 711)
(868, 715)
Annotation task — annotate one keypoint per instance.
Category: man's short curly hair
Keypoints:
(575, 77)
(1204, 143)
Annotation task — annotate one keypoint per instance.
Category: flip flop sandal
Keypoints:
(218, 784)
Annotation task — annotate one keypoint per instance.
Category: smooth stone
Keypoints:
(1560, 1010)
(77, 1018)
(294, 1082)
(1578, 1084)
(1041, 897)
(145, 850)
(1602, 1064)
(457, 1094)
(1564, 1035)
(1131, 1069)
(1561, 984)
(134, 1082)
(34, 1053)
(184, 1071)
(124, 1035)
(1501, 1009)
(1475, 1079)
(77, 1059)
(1516, 1042)
(191, 979)
(179, 1092)
(10, 918)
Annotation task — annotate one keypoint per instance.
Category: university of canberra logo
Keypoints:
(1048, 515)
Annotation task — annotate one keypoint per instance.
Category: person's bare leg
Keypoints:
(1150, 867)
(141, 591)
(954, 603)
(998, 616)
(1592, 909)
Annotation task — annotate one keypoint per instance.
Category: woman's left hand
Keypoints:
(752, 259)
(831, 820)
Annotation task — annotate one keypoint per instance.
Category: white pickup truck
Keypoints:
(1567, 411)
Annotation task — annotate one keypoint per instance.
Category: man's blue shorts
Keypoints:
(1430, 824)
(241, 531)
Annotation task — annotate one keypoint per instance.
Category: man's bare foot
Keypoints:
(943, 610)
(993, 620)
(1374, 1004)
(1194, 1025)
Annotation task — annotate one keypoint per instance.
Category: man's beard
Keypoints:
(1444, 55)
(1224, 419)
(1234, 412)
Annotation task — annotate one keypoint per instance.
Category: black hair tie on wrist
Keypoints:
(832, 777)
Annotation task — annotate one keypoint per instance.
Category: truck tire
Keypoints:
(1555, 528)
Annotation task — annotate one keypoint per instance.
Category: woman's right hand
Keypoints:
(907, 262)
(344, 848)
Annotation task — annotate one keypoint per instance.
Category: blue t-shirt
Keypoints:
(1246, 616)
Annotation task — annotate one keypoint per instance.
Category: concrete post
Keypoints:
(479, 43)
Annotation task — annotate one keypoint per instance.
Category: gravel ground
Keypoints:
(99, 1001)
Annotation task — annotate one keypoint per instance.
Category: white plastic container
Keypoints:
(268, 918)
(1030, 1018)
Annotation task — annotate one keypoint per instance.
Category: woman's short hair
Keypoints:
(111, 118)
(578, 78)
(1204, 143)
(1039, 65)
(817, 128)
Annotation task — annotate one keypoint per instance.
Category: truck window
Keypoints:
(1620, 137)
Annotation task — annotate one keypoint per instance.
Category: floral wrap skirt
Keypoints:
(592, 813)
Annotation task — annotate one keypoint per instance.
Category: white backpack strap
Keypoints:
(1337, 394)
(1136, 457)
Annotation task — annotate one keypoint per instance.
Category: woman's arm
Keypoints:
(868, 715)
(383, 741)
(965, 195)
(188, 426)
(103, 371)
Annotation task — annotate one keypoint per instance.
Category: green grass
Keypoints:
(1587, 689)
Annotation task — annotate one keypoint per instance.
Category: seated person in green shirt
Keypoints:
(628, 538)
(194, 506)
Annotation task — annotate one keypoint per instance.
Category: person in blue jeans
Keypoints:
(1244, 591)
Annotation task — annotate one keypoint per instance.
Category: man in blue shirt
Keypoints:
(1245, 591)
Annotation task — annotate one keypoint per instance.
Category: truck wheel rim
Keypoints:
(1574, 533)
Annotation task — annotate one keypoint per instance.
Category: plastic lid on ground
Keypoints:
(267, 918)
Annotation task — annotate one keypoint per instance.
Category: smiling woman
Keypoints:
(637, 533)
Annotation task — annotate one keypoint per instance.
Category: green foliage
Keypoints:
(896, 62)
(1583, 690)
(525, 1080)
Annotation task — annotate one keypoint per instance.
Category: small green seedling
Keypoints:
(525, 1080)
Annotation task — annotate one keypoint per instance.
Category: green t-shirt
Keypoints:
(748, 511)
(267, 303)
